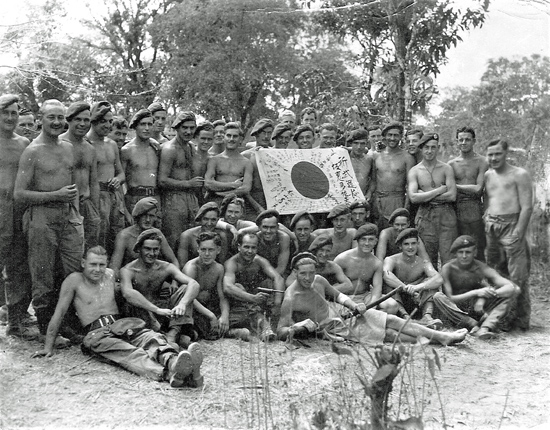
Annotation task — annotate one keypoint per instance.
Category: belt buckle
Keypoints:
(149, 191)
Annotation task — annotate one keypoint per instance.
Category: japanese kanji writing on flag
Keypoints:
(307, 179)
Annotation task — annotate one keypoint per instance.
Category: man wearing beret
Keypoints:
(262, 132)
(399, 221)
(208, 220)
(140, 161)
(110, 175)
(13, 249)
(85, 170)
(418, 278)
(282, 135)
(245, 272)
(230, 172)
(304, 136)
(159, 121)
(142, 283)
(362, 268)
(432, 186)
(361, 159)
(26, 125)
(178, 180)
(390, 175)
(509, 192)
(342, 236)
(145, 216)
(360, 213)
(469, 169)
(47, 185)
(301, 226)
(474, 295)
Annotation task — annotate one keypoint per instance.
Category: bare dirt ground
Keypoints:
(503, 383)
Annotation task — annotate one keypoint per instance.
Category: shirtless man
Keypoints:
(262, 131)
(208, 220)
(305, 312)
(110, 175)
(159, 121)
(399, 221)
(13, 250)
(177, 179)
(360, 213)
(245, 272)
(145, 215)
(119, 131)
(362, 268)
(304, 136)
(141, 284)
(390, 175)
(232, 210)
(140, 161)
(375, 138)
(342, 236)
(361, 159)
(328, 135)
(230, 172)
(203, 137)
(417, 278)
(123, 341)
(85, 169)
(219, 143)
(211, 305)
(413, 138)
(309, 116)
(332, 272)
(474, 295)
(287, 117)
(282, 135)
(273, 244)
(509, 207)
(302, 225)
(469, 169)
(46, 184)
(26, 126)
(432, 186)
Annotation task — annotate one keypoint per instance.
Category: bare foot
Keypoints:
(454, 337)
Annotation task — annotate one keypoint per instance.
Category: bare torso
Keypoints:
(178, 155)
(84, 157)
(359, 269)
(502, 191)
(106, 158)
(466, 171)
(10, 153)
(362, 167)
(53, 165)
(140, 163)
(391, 170)
(149, 280)
(408, 272)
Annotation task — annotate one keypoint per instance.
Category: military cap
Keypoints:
(399, 212)
(280, 129)
(151, 233)
(144, 205)
(261, 125)
(391, 125)
(267, 214)
(300, 215)
(182, 117)
(319, 242)
(7, 100)
(463, 241)
(99, 110)
(359, 204)
(406, 234)
(341, 209)
(25, 111)
(210, 206)
(156, 107)
(138, 116)
(359, 134)
(75, 108)
(300, 129)
(367, 229)
(426, 138)
(300, 256)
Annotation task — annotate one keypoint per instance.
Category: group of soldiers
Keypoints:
(138, 249)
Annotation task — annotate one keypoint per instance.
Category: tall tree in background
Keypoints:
(403, 44)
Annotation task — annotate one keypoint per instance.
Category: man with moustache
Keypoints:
(16, 298)
(26, 126)
(110, 175)
(178, 180)
(85, 169)
(159, 121)
(140, 161)
(46, 184)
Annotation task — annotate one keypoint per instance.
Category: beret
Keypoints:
(227, 200)
(75, 108)
(367, 229)
(399, 212)
(319, 242)
(138, 116)
(210, 206)
(300, 129)
(287, 113)
(7, 100)
(341, 209)
(464, 241)
(301, 256)
(267, 214)
(300, 215)
(155, 107)
(144, 205)
(150, 233)
(280, 129)
(260, 125)
(406, 234)
(358, 134)
(426, 138)
(359, 204)
(182, 117)
(391, 125)
(99, 110)
(25, 111)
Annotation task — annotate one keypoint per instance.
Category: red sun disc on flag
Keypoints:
(309, 180)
